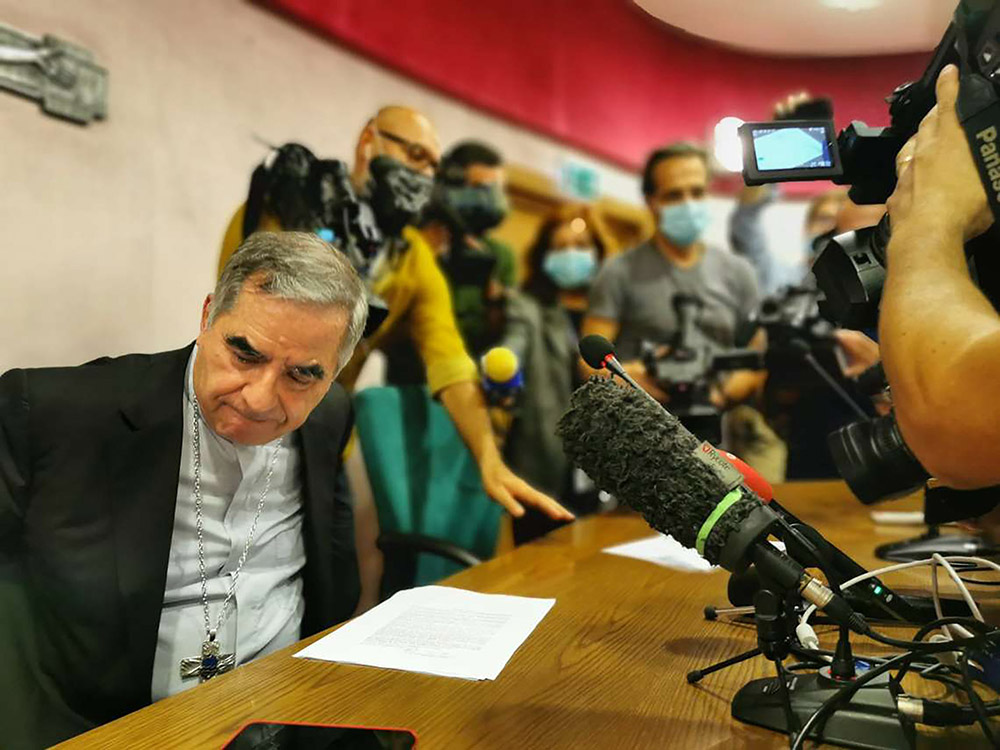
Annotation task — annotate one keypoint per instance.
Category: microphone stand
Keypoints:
(784, 702)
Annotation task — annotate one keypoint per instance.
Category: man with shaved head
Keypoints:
(409, 280)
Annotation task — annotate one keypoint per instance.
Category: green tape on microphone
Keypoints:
(713, 518)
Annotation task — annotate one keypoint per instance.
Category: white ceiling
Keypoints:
(810, 27)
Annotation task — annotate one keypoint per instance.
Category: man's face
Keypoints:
(680, 178)
(263, 366)
(406, 136)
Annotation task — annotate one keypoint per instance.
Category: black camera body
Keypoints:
(850, 269)
(686, 367)
(316, 195)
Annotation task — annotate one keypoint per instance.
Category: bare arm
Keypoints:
(940, 337)
(742, 385)
(467, 408)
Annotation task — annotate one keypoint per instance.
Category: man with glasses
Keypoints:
(420, 308)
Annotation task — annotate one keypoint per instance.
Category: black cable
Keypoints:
(949, 645)
(790, 721)
(845, 692)
(976, 701)
(988, 635)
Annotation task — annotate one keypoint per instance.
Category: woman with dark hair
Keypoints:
(542, 324)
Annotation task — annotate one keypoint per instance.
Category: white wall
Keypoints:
(109, 234)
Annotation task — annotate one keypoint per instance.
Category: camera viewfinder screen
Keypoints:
(791, 148)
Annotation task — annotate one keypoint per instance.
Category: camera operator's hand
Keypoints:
(861, 352)
(939, 334)
(636, 369)
(939, 189)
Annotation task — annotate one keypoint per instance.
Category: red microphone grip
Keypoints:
(752, 479)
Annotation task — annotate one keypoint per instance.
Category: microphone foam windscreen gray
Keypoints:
(646, 458)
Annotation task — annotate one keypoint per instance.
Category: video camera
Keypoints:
(688, 366)
(316, 195)
(850, 269)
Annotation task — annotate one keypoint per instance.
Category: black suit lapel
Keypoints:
(144, 466)
(319, 461)
(330, 577)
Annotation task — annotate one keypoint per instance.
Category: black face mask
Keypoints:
(480, 207)
(397, 193)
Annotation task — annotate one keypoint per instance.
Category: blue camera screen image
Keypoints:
(791, 148)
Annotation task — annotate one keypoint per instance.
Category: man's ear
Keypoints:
(364, 152)
(204, 313)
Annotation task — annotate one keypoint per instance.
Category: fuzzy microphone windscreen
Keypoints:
(645, 457)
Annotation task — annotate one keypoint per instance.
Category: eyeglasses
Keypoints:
(415, 152)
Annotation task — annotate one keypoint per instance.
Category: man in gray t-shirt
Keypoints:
(632, 298)
(637, 288)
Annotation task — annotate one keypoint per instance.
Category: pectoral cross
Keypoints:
(210, 664)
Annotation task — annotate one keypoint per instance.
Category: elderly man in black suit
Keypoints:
(165, 517)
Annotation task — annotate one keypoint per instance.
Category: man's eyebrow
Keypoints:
(245, 347)
(313, 371)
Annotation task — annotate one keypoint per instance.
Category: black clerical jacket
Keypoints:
(89, 464)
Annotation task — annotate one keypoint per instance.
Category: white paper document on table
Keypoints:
(663, 550)
(437, 630)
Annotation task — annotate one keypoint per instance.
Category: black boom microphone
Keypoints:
(640, 453)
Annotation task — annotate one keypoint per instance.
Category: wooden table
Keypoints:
(604, 669)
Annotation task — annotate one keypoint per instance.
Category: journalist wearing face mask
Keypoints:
(467, 204)
(630, 299)
(541, 328)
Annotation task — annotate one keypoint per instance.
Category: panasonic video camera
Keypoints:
(850, 269)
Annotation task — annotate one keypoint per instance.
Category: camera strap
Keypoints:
(978, 109)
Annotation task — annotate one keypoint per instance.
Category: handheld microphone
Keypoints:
(682, 487)
(599, 354)
(502, 376)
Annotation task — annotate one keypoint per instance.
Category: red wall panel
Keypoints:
(598, 74)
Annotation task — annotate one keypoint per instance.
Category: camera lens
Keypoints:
(874, 461)
(850, 271)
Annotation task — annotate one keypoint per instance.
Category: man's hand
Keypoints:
(939, 189)
(465, 405)
(636, 369)
(861, 351)
(513, 493)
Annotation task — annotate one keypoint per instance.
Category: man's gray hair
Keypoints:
(299, 267)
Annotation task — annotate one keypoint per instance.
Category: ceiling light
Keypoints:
(727, 148)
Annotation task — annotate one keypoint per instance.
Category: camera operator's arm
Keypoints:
(940, 337)
(742, 385)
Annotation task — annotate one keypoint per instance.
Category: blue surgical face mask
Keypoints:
(572, 267)
(684, 223)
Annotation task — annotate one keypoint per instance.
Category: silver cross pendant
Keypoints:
(210, 664)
